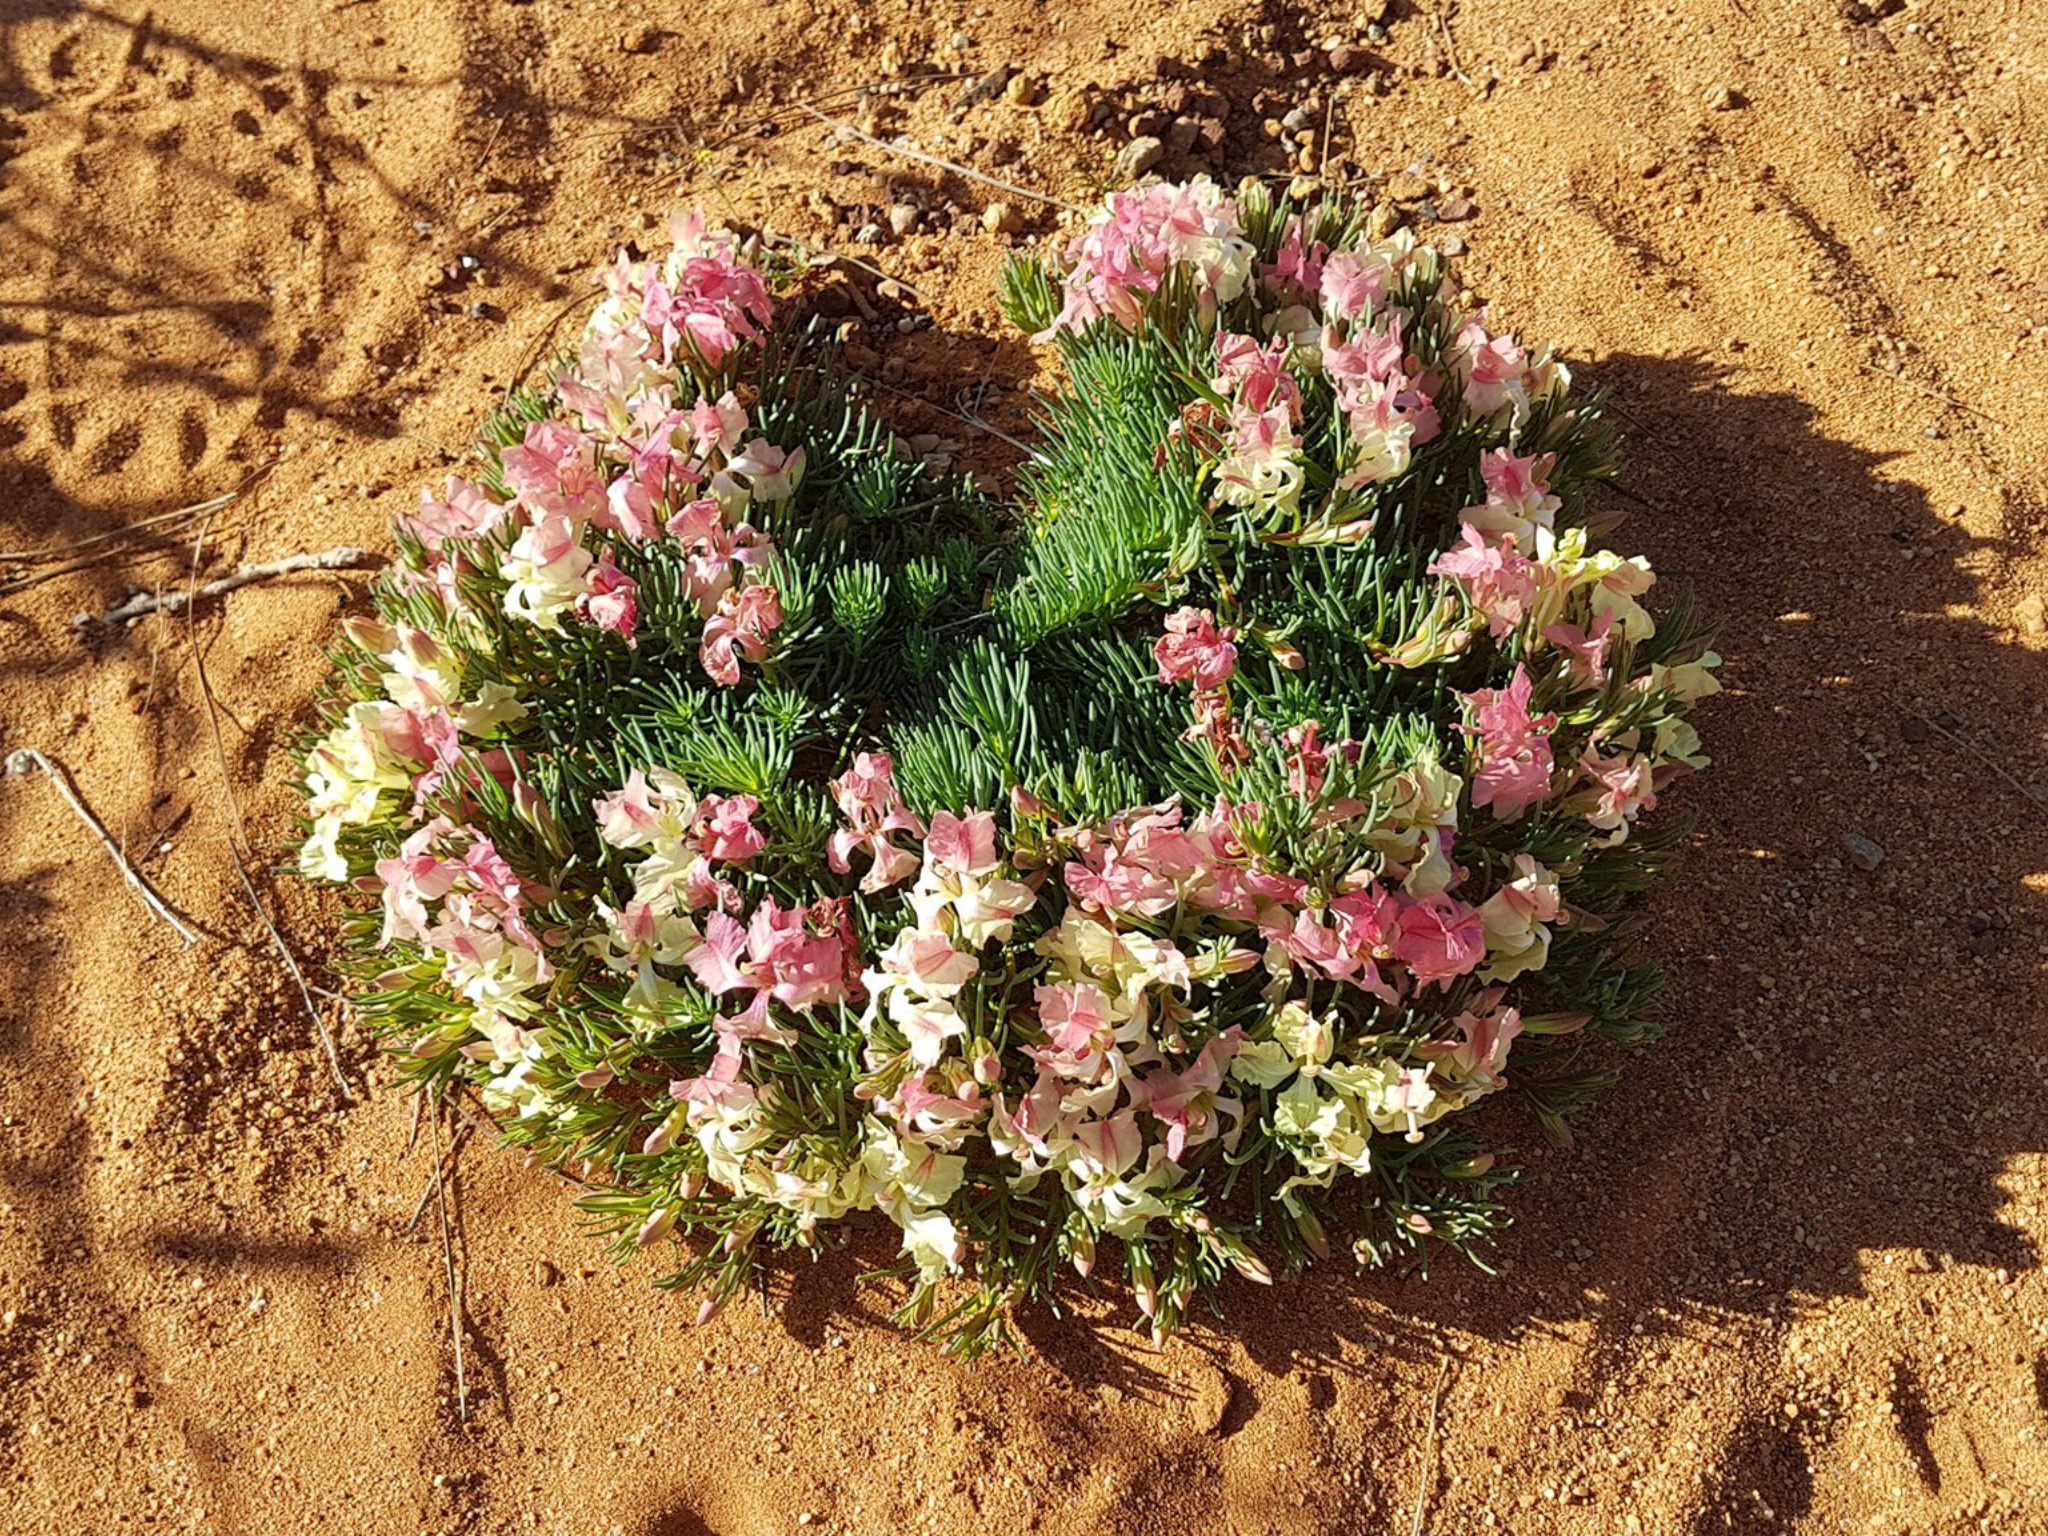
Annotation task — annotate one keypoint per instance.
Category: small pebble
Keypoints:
(1001, 219)
(903, 217)
(1725, 98)
(1138, 157)
(1863, 853)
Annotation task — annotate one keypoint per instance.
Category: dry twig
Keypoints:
(237, 837)
(945, 165)
(1930, 392)
(2032, 797)
(1422, 1492)
(454, 1283)
(441, 1171)
(23, 761)
(143, 603)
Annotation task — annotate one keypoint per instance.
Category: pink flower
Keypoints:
(874, 812)
(740, 628)
(1107, 884)
(1370, 357)
(413, 878)
(553, 472)
(612, 603)
(1438, 937)
(772, 473)
(1482, 1055)
(628, 816)
(717, 427)
(1513, 479)
(1297, 267)
(1496, 579)
(1194, 648)
(634, 501)
(1587, 648)
(718, 556)
(1127, 249)
(715, 961)
(461, 512)
(1515, 760)
(1190, 1103)
(1256, 376)
(962, 846)
(1308, 760)
(1626, 784)
(1353, 283)
(1079, 1031)
(1493, 371)
(725, 828)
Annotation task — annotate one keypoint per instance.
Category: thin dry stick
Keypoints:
(26, 760)
(818, 255)
(72, 546)
(448, 1265)
(1969, 746)
(237, 836)
(943, 164)
(142, 603)
(852, 90)
(1931, 393)
(547, 332)
(202, 509)
(1436, 1402)
(1443, 25)
(441, 1170)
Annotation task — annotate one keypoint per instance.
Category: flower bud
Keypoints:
(657, 1226)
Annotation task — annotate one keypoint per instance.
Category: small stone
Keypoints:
(903, 217)
(2032, 613)
(1407, 187)
(1001, 219)
(1914, 729)
(1138, 157)
(1863, 853)
(545, 1274)
(868, 234)
(1023, 91)
(1070, 111)
(1383, 221)
(1453, 210)
(1347, 61)
(1300, 118)
(641, 40)
(892, 292)
(1725, 98)
(1182, 136)
(986, 88)
(1452, 245)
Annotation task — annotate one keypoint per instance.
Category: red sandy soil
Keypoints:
(1789, 1279)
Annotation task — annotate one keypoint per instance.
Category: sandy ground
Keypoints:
(1790, 1277)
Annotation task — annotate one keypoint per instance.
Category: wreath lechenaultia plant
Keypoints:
(772, 830)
